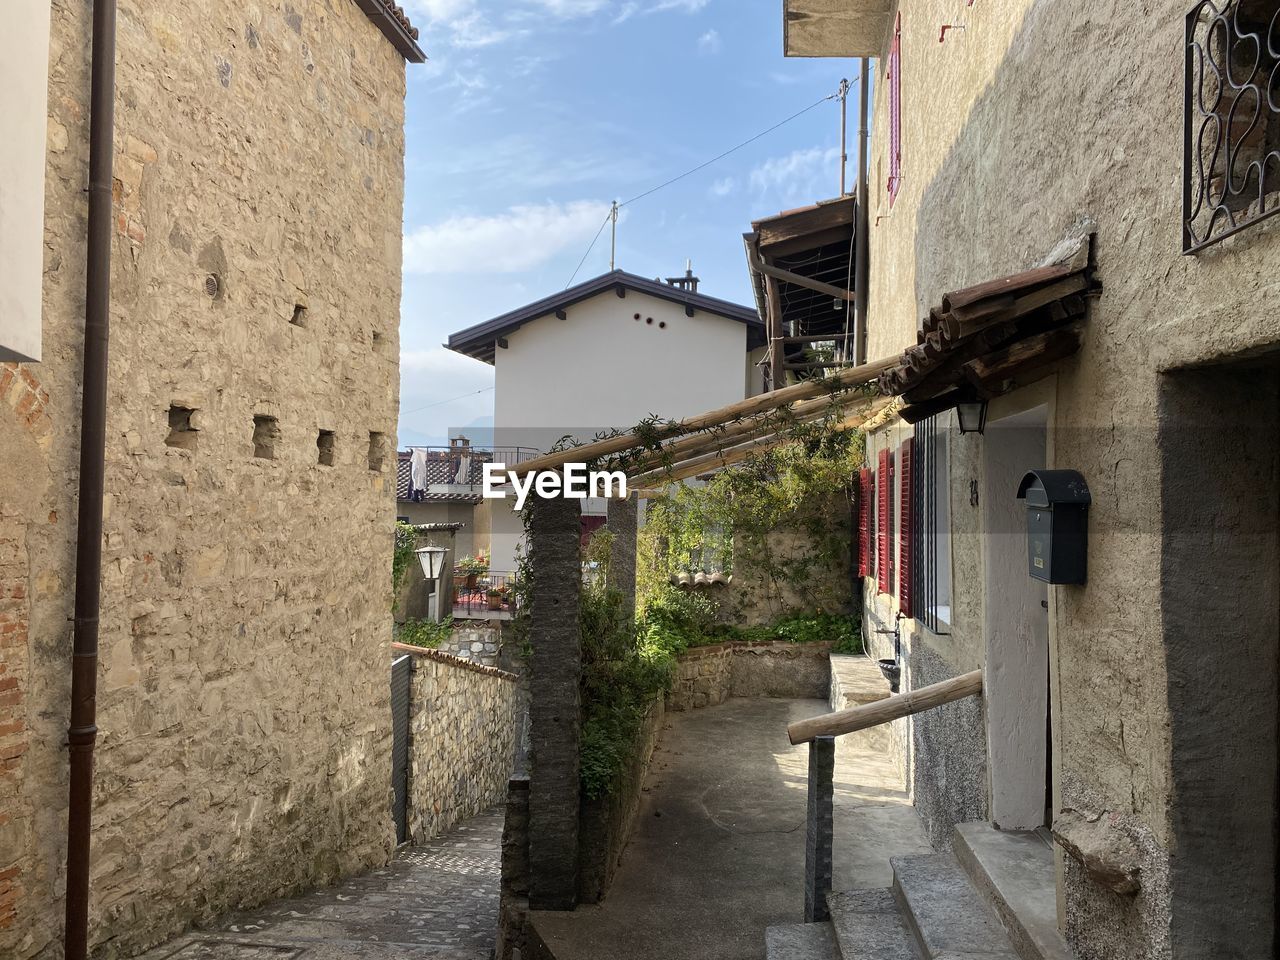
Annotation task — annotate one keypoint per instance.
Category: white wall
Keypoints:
(602, 369)
(24, 76)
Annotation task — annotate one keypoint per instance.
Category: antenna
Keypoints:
(613, 247)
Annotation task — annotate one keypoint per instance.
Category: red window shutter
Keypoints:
(864, 522)
(905, 465)
(895, 111)
(883, 506)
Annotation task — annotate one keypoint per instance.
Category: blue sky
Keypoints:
(533, 115)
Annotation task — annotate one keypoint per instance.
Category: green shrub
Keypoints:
(424, 633)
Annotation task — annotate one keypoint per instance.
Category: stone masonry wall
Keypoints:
(244, 746)
(706, 676)
(462, 739)
(478, 642)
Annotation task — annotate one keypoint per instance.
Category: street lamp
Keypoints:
(432, 560)
(972, 415)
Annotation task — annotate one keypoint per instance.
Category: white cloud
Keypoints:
(567, 9)
(723, 187)
(802, 175)
(709, 42)
(524, 237)
(686, 6)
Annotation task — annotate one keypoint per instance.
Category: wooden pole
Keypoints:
(805, 412)
(883, 711)
(816, 387)
(777, 372)
(726, 458)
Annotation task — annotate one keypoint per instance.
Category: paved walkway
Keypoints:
(718, 850)
(434, 902)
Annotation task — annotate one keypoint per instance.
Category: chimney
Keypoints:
(688, 282)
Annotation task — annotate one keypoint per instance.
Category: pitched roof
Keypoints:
(479, 341)
(442, 469)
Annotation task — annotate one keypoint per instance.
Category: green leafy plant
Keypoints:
(424, 633)
(403, 556)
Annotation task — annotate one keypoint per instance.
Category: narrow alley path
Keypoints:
(718, 850)
(434, 902)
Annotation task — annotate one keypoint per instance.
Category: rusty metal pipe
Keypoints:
(93, 436)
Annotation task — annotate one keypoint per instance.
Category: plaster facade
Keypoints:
(1036, 116)
(631, 358)
(243, 698)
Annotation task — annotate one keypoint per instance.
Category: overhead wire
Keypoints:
(438, 403)
(688, 173)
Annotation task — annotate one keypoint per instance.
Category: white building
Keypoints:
(601, 356)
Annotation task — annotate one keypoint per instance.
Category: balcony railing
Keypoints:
(486, 596)
(1231, 149)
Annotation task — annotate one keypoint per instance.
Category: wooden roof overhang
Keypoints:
(991, 338)
(802, 262)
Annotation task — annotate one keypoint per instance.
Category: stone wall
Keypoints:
(244, 746)
(462, 739)
(606, 822)
(477, 641)
(706, 676)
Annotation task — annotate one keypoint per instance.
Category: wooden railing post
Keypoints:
(820, 831)
(883, 711)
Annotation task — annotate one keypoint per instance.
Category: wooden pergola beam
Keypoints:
(817, 387)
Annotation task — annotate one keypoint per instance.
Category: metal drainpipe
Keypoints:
(861, 255)
(93, 435)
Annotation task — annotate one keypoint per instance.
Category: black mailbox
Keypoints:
(1057, 524)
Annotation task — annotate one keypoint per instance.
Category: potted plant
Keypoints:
(471, 569)
(497, 597)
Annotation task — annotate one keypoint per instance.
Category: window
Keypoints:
(865, 563)
(884, 524)
(931, 523)
(1231, 135)
(894, 76)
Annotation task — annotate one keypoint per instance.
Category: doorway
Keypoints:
(1219, 451)
(1016, 618)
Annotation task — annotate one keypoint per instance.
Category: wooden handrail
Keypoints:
(882, 711)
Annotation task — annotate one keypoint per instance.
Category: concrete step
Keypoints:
(801, 941)
(869, 926)
(1014, 871)
(945, 913)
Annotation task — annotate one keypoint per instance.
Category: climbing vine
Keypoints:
(404, 554)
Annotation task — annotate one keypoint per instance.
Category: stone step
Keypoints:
(1015, 872)
(869, 926)
(801, 941)
(945, 913)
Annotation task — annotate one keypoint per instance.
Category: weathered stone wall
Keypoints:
(1011, 131)
(757, 597)
(477, 641)
(462, 739)
(706, 676)
(606, 822)
(244, 745)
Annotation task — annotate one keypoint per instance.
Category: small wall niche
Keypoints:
(299, 318)
(324, 448)
(377, 451)
(182, 434)
(266, 436)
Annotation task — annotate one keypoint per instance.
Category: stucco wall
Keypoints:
(24, 74)
(1031, 118)
(462, 740)
(244, 746)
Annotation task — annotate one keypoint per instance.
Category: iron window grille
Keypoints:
(931, 528)
(1231, 146)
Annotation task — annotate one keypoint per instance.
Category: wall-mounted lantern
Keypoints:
(432, 560)
(972, 415)
(1057, 524)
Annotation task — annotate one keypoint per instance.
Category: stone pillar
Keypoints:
(820, 831)
(623, 523)
(554, 670)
